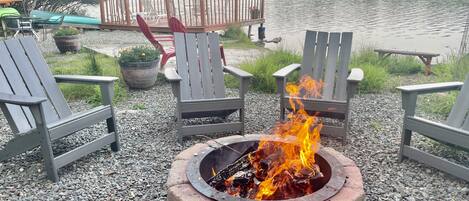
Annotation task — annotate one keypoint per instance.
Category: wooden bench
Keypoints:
(424, 56)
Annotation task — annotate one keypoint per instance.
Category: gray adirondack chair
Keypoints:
(325, 57)
(198, 85)
(37, 111)
(454, 131)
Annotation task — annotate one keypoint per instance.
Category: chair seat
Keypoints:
(78, 121)
(320, 105)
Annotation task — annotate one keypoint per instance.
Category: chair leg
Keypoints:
(179, 125)
(46, 144)
(111, 127)
(241, 119)
(405, 140)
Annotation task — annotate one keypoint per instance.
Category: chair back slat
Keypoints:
(194, 67)
(198, 62)
(205, 67)
(320, 55)
(308, 52)
(331, 63)
(182, 65)
(145, 29)
(45, 76)
(326, 57)
(29, 77)
(344, 60)
(458, 117)
(217, 67)
(16, 116)
(176, 26)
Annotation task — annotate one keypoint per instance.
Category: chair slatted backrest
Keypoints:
(326, 57)
(459, 115)
(199, 64)
(23, 71)
(145, 29)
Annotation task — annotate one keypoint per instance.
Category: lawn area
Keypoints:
(86, 62)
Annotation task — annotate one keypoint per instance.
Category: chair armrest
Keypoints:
(285, 71)
(20, 100)
(356, 75)
(243, 76)
(431, 88)
(85, 79)
(172, 75)
(237, 72)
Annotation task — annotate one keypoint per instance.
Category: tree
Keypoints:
(60, 6)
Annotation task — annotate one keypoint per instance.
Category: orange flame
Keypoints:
(291, 158)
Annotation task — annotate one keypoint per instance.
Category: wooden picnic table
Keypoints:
(424, 56)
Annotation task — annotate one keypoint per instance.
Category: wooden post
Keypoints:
(202, 13)
(169, 9)
(140, 6)
(236, 11)
(262, 9)
(101, 9)
(127, 11)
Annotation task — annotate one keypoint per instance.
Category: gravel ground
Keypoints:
(139, 171)
(148, 139)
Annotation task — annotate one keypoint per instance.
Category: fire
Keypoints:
(295, 158)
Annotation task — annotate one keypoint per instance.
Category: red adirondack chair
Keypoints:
(176, 26)
(155, 40)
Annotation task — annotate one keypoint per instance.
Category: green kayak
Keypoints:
(4, 12)
(44, 17)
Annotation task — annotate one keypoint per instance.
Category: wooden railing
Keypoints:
(199, 14)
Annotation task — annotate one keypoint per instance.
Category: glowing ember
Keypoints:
(279, 170)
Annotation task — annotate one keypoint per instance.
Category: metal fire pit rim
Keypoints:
(332, 187)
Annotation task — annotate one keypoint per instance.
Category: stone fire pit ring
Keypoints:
(180, 187)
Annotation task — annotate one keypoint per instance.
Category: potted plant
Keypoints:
(255, 12)
(66, 39)
(139, 66)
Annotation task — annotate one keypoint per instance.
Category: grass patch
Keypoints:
(453, 69)
(86, 63)
(374, 80)
(263, 68)
(234, 37)
(394, 64)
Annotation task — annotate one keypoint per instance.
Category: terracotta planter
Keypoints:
(140, 75)
(67, 43)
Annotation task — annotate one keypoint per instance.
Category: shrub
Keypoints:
(263, 68)
(374, 80)
(394, 64)
(67, 31)
(234, 37)
(403, 65)
(138, 54)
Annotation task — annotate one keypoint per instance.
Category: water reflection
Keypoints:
(422, 25)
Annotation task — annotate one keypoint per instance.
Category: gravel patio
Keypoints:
(140, 170)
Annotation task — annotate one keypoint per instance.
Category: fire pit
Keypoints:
(287, 165)
(341, 178)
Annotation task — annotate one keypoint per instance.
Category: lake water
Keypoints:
(421, 25)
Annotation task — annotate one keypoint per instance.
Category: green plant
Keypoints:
(374, 80)
(403, 65)
(67, 31)
(138, 54)
(440, 103)
(138, 106)
(263, 68)
(234, 37)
